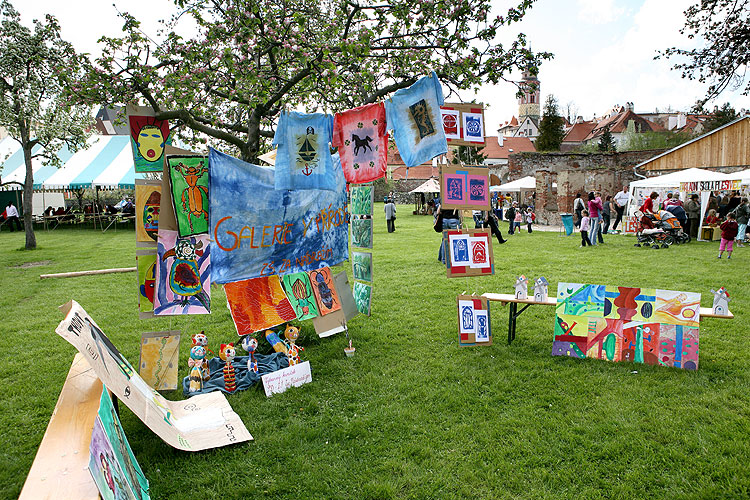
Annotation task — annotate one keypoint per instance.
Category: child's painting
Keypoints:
(147, 205)
(632, 327)
(159, 359)
(363, 297)
(300, 293)
(183, 275)
(325, 290)
(258, 304)
(469, 252)
(474, 321)
(465, 187)
(362, 231)
(362, 266)
(146, 263)
(107, 474)
(148, 136)
(188, 177)
(362, 199)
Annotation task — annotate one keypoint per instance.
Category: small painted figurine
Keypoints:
(540, 289)
(226, 353)
(275, 342)
(196, 362)
(250, 344)
(292, 334)
(200, 339)
(521, 287)
(721, 301)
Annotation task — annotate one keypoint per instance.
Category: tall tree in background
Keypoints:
(35, 67)
(468, 155)
(723, 60)
(607, 141)
(247, 60)
(551, 127)
(720, 116)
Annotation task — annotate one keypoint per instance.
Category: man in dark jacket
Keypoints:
(510, 215)
(693, 210)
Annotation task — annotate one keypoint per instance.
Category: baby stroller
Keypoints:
(671, 225)
(649, 235)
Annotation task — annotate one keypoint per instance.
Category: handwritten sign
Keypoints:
(281, 380)
(259, 231)
(693, 187)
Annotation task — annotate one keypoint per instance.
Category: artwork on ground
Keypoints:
(159, 359)
(148, 136)
(271, 232)
(183, 275)
(147, 205)
(361, 231)
(363, 297)
(362, 199)
(258, 304)
(188, 178)
(465, 187)
(469, 252)
(474, 321)
(200, 423)
(300, 293)
(119, 455)
(146, 263)
(106, 471)
(325, 290)
(642, 325)
(362, 266)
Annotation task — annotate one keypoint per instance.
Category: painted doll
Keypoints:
(200, 339)
(250, 344)
(292, 334)
(226, 353)
(196, 362)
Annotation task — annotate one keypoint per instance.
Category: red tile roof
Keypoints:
(494, 151)
(619, 123)
(579, 131)
(424, 171)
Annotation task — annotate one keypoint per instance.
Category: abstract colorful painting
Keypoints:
(300, 293)
(258, 304)
(183, 275)
(146, 260)
(188, 178)
(465, 187)
(147, 205)
(625, 324)
(362, 199)
(363, 297)
(148, 136)
(361, 231)
(269, 231)
(159, 359)
(469, 252)
(362, 266)
(474, 321)
(325, 290)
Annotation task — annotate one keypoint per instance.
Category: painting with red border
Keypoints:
(324, 290)
(473, 321)
(468, 252)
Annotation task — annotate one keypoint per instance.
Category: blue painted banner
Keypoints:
(259, 231)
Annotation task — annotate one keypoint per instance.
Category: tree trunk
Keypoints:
(28, 197)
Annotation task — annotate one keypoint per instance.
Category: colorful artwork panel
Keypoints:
(677, 308)
(451, 125)
(363, 297)
(146, 281)
(678, 346)
(640, 342)
(258, 304)
(604, 339)
(148, 136)
(473, 127)
(571, 336)
(183, 275)
(362, 200)
(159, 359)
(147, 206)
(465, 188)
(580, 299)
(300, 293)
(325, 290)
(629, 304)
(107, 474)
(361, 231)
(469, 252)
(188, 178)
(362, 266)
(473, 321)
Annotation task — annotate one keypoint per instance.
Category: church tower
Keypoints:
(528, 103)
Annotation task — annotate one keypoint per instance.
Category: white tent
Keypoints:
(674, 179)
(524, 183)
(429, 186)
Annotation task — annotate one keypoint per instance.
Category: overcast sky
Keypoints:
(603, 50)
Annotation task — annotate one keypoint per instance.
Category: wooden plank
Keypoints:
(708, 312)
(507, 297)
(89, 273)
(60, 469)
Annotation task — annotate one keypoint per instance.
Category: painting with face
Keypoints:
(147, 208)
(148, 136)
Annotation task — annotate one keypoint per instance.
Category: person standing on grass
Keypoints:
(11, 214)
(529, 218)
(595, 206)
(510, 214)
(607, 214)
(728, 232)
(445, 219)
(621, 201)
(578, 207)
(390, 215)
(742, 214)
(693, 210)
(585, 225)
(517, 220)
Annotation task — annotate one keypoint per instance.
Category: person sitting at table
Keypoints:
(60, 211)
(711, 219)
(49, 211)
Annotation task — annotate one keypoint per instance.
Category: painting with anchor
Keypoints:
(362, 139)
(303, 159)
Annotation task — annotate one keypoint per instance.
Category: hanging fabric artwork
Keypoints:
(271, 231)
(183, 275)
(303, 160)
(362, 139)
(188, 180)
(414, 115)
(148, 136)
(258, 304)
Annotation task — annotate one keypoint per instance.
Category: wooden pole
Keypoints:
(89, 273)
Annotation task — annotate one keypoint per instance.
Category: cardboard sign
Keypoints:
(473, 321)
(468, 252)
(465, 187)
(281, 380)
(463, 124)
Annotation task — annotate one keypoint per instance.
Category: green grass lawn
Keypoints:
(413, 415)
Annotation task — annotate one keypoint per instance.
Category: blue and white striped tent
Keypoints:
(107, 164)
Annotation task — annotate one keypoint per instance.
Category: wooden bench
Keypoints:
(60, 468)
(514, 313)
